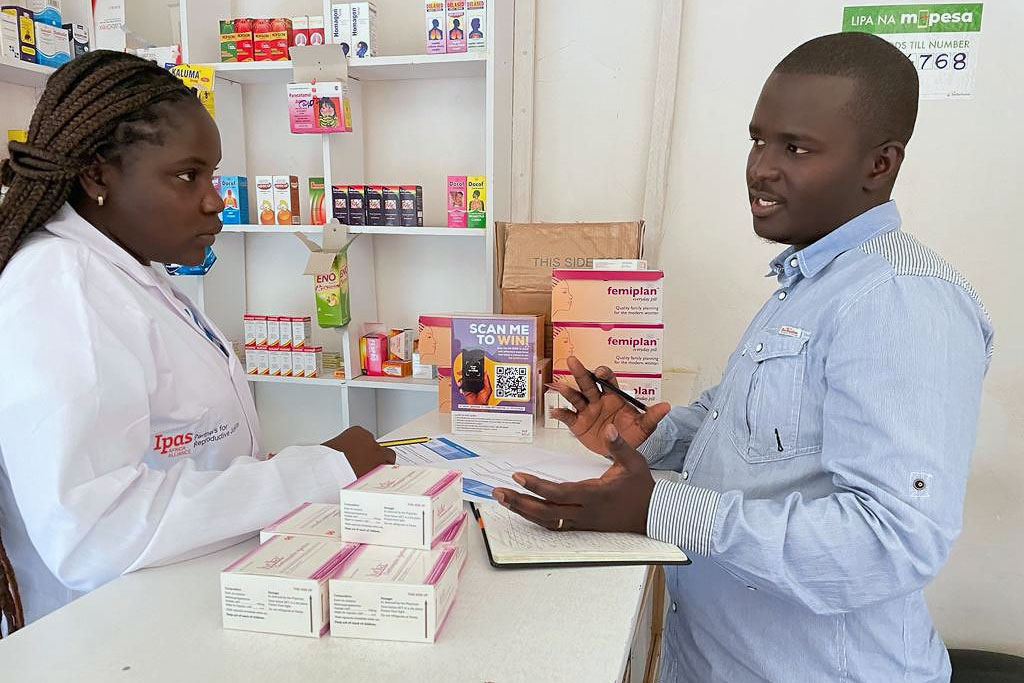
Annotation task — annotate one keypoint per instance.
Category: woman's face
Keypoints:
(159, 200)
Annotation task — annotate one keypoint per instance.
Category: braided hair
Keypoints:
(96, 105)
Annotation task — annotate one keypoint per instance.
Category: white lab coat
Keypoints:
(127, 437)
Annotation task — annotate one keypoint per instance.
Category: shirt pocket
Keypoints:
(775, 397)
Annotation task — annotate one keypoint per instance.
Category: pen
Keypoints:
(608, 386)
(404, 442)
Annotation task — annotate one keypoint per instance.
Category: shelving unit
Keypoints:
(24, 73)
(417, 119)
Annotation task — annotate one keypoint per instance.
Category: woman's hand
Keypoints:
(361, 450)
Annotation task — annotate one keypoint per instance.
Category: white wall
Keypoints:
(957, 192)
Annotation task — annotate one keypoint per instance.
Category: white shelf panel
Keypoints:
(312, 381)
(463, 65)
(397, 230)
(24, 73)
(400, 383)
(278, 229)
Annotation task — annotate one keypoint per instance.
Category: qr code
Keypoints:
(512, 382)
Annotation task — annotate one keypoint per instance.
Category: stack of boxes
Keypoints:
(281, 346)
(380, 205)
(36, 33)
(611, 318)
(384, 564)
(386, 353)
(456, 26)
(268, 40)
(353, 25)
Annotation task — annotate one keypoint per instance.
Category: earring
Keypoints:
(99, 200)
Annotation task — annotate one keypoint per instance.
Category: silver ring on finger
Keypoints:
(560, 523)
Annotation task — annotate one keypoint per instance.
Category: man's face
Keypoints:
(808, 162)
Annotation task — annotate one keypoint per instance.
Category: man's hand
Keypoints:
(617, 501)
(478, 398)
(595, 410)
(361, 450)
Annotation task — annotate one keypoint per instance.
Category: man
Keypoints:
(821, 482)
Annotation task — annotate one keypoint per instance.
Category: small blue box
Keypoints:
(234, 191)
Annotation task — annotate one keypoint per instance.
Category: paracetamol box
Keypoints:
(644, 388)
(302, 330)
(476, 25)
(455, 14)
(436, 27)
(263, 359)
(252, 363)
(400, 505)
(393, 593)
(607, 296)
(632, 349)
(316, 520)
(282, 586)
(341, 26)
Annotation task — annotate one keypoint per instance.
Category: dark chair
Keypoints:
(978, 666)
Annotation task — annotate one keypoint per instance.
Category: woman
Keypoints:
(128, 436)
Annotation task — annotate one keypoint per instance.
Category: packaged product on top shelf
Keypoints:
(397, 368)
(317, 108)
(286, 199)
(234, 192)
(364, 29)
(476, 19)
(436, 27)
(456, 201)
(270, 39)
(79, 36)
(374, 204)
(10, 44)
(265, 200)
(317, 209)
(300, 31)
(455, 13)
(341, 26)
(356, 205)
(46, 12)
(339, 196)
(316, 30)
(53, 47)
(236, 40)
(476, 206)
(199, 79)
(26, 31)
(392, 208)
(407, 204)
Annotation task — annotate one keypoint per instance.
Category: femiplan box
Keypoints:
(282, 586)
(393, 593)
(316, 520)
(400, 505)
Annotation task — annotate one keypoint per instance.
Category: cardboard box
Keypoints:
(282, 586)
(234, 192)
(263, 359)
(273, 331)
(286, 200)
(444, 390)
(302, 329)
(376, 353)
(300, 32)
(421, 370)
(630, 349)
(339, 197)
(435, 337)
(235, 45)
(374, 202)
(392, 205)
(317, 208)
(317, 108)
(456, 535)
(607, 296)
(328, 264)
(308, 360)
(53, 46)
(10, 44)
(356, 205)
(476, 25)
(644, 388)
(437, 28)
(526, 253)
(316, 30)
(45, 11)
(255, 328)
(364, 29)
(341, 26)
(397, 368)
(393, 593)
(400, 344)
(265, 200)
(284, 324)
(252, 363)
(26, 28)
(313, 520)
(456, 201)
(407, 204)
(476, 202)
(494, 364)
(400, 505)
(245, 48)
(455, 14)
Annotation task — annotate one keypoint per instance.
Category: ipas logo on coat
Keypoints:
(173, 445)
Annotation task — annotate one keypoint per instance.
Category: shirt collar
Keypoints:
(813, 258)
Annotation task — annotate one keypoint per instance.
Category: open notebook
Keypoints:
(512, 541)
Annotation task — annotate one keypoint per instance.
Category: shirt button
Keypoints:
(714, 415)
(758, 348)
(782, 296)
(674, 607)
(794, 262)
(686, 475)
(743, 352)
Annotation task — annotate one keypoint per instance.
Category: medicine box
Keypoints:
(455, 14)
(364, 29)
(46, 12)
(631, 349)
(252, 365)
(263, 359)
(392, 205)
(236, 40)
(308, 360)
(476, 201)
(393, 593)
(282, 586)
(436, 28)
(356, 205)
(620, 264)
(374, 202)
(273, 331)
(400, 505)
(456, 201)
(26, 31)
(316, 520)
(53, 48)
(10, 45)
(270, 39)
(644, 388)
(316, 30)
(341, 26)
(607, 296)
(265, 200)
(302, 329)
(286, 199)
(234, 192)
(317, 207)
(300, 31)
(255, 327)
(284, 325)
(397, 368)
(339, 200)
(411, 200)
(476, 25)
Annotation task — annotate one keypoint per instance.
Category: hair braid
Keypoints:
(97, 104)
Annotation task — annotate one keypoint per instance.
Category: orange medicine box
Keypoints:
(607, 296)
(633, 349)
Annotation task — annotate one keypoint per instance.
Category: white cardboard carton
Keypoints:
(317, 520)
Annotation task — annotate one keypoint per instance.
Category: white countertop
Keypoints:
(163, 624)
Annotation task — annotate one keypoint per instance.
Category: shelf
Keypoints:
(276, 229)
(400, 383)
(312, 381)
(396, 230)
(24, 73)
(462, 65)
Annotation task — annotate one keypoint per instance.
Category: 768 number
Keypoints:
(931, 60)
